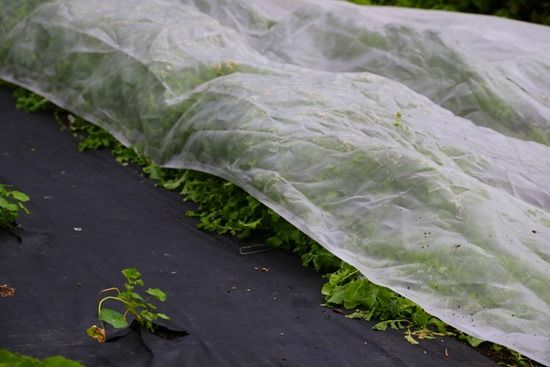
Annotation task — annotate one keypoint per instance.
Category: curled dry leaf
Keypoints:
(96, 333)
(6, 291)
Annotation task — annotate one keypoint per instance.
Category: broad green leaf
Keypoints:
(157, 293)
(474, 342)
(136, 296)
(7, 205)
(360, 292)
(353, 291)
(148, 315)
(114, 318)
(17, 195)
(337, 296)
(163, 316)
(421, 318)
(174, 184)
(131, 273)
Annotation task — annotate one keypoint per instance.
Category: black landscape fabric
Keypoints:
(92, 217)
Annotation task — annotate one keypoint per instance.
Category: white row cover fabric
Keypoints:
(415, 145)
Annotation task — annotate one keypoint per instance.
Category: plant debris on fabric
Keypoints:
(6, 291)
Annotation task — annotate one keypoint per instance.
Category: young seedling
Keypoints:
(133, 303)
(11, 203)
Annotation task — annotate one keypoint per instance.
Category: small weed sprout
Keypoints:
(11, 203)
(142, 310)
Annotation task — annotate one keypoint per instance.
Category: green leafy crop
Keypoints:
(132, 302)
(347, 287)
(11, 204)
(30, 102)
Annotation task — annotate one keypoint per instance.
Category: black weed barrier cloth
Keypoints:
(92, 217)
